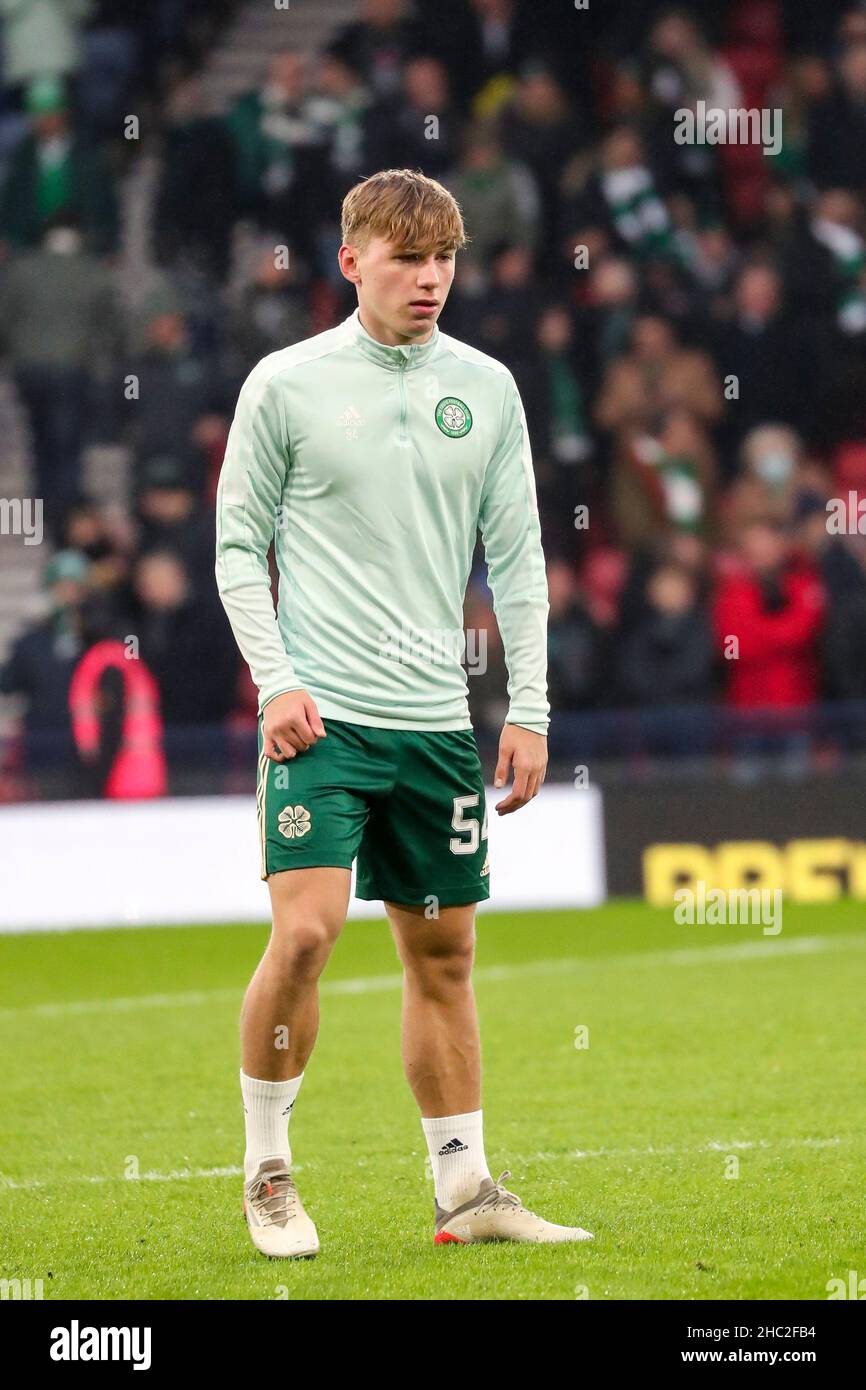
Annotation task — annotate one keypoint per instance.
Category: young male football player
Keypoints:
(370, 455)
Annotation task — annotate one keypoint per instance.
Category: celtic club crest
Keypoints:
(453, 417)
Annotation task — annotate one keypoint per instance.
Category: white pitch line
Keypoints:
(767, 949)
(518, 1160)
(120, 1005)
(179, 1175)
(711, 1146)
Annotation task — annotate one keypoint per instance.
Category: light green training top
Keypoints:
(372, 468)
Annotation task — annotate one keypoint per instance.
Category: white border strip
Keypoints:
(197, 859)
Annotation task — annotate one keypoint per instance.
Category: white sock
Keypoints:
(456, 1145)
(267, 1110)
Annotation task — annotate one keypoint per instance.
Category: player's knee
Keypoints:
(439, 972)
(303, 947)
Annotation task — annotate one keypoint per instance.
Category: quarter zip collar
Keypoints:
(399, 357)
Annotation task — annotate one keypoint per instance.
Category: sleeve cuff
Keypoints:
(268, 693)
(535, 726)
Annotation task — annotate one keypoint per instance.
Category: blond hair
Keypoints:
(405, 207)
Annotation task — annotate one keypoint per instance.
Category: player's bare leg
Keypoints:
(442, 1061)
(309, 908)
(441, 1045)
(279, 1023)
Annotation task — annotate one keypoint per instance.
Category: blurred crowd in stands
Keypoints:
(686, 322)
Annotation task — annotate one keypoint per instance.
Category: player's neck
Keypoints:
(382, 334)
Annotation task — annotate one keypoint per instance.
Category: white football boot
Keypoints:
(495, 1214)
(278, 1224)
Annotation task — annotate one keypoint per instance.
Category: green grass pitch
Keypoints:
(711, 1135)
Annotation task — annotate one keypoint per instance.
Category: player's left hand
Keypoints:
(526, 752)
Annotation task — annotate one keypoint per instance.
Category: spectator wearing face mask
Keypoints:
(774, 474)
(105, 543)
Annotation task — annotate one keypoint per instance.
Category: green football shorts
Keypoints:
(409, 805)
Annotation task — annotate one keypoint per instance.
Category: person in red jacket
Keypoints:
(767, 619)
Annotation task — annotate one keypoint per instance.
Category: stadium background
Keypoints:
(153, 156)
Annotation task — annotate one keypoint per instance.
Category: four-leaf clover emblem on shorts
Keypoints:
(293, 822)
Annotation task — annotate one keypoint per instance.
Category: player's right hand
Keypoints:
(290, 724)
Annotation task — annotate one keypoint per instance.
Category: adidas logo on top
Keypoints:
(350, 417)
(453, 1146)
